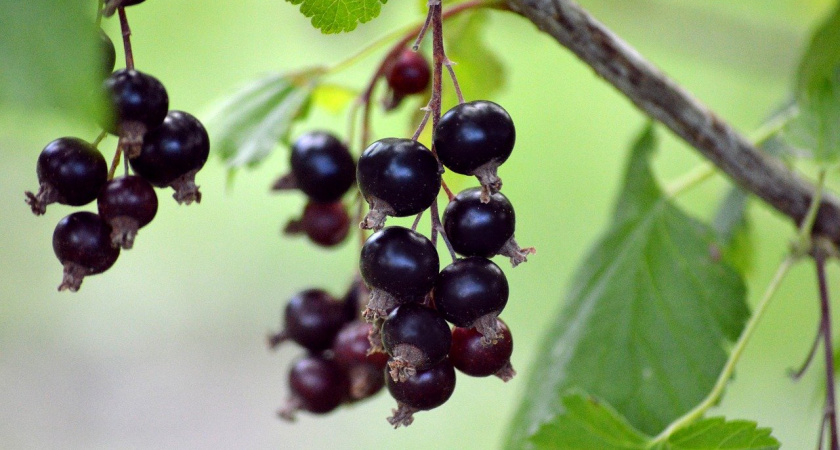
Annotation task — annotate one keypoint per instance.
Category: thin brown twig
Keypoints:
(126, 37)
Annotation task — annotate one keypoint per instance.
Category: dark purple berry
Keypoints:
(71, 172)
(416, 337)
(317, 385)
(470, 293)
(472, 356)
(426, 390)
(400, 265)
(474, 138)
(353, 352)
(326, 224)
(138, 103)
(312, 318)
(127, 204)
(82, 243)
(408, 73)
(355, 299)
(109, 54)
(173, 153)
(398, 177)
(322, 167)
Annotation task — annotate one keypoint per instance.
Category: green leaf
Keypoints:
(333, 98)
(732, 227)
(336, 16)
(479, 70)
(249, 125)
(648, 319)
(51, 56)
(590, 424)
(818, 94)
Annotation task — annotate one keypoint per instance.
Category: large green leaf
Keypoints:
(818, 94)
(732, 226)
(250, 124)
(648, 319)
(589, 424)
(336, 16)
(51, 56)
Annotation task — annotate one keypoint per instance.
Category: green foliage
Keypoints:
(589, 424)
(50, 56)
(648, 317)
(250, 124)
(818, 94)
(472, 59)
(732, 227)
(337, 16)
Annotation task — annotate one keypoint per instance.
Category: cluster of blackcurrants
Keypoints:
(165, 148)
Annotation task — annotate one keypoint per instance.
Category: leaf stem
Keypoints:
(803, 244)
(695, 176)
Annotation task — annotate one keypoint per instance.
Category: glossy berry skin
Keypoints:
(401, 262)
(474, 134)
(473, 357)
(427, 389)
(326, 224)
(134, 97)
(82, 243)
(475, 228)
(317, 385)
(127, 204)
(351, 347)
(469, 289)
(417, 334)
(109, 54)
(71, 172)
(401, 173)
(322, 166)
(409, 73)
(312, 318)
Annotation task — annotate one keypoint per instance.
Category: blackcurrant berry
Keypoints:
(127, 204)
(326, 224)
(109, 54)
(173, 153)
(311, 318)
(82, 243)
(416, 337)
(477, 228)
(138, 103)
(407, 73)
(398, 177)
(322, 167)
(472, 356)
(317, 385)
(426, 390)
(71, 172)
(363, 366)
(470, 293)
(474, 138)
(400, 265)
(354, 299)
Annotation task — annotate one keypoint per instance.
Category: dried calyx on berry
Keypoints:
(326, 224)
(416, 338)
(426, 390)
(400, 266)
(316, 384)
(71, 172)
(127, 204)
(397, 177)
(82, 243)
(321, 166)
(407, 73)
(475, 138)
(478, 228)
(138, 102)
(474, 357)
(311, 318)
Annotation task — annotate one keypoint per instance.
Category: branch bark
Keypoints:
(662, 99)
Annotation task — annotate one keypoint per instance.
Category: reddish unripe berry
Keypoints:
(409, 73)
(472, 356)
(325, 224)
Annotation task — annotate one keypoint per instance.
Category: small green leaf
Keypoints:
(51, 56)
(648, 319)
(717, 434)
(479, 70)
(732, 227)
(249, 125)
(336, 16)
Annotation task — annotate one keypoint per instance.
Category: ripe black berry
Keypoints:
(398, 177)
(316, 384)
(474, 138)
(82, 243)
(71, 172)
(407, 74)
(127, 204)
(472, 356)
(173, 153)
(363, 366)
(400, 265)
(109, 54)
(312, 318)
(326, 224)
(426, 390)
(416, 337)
(477, 228)
(138, 102)
(470, 293)
(322, 167)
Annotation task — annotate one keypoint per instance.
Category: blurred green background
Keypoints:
(166, 349)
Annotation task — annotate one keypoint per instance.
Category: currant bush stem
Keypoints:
(417, 221)
(422, 33)
(455, 84)
(445, 238)
(445, 187)
(115, 163)
(99, 138)
(825, 313)
(797, 374)
(126, 37)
